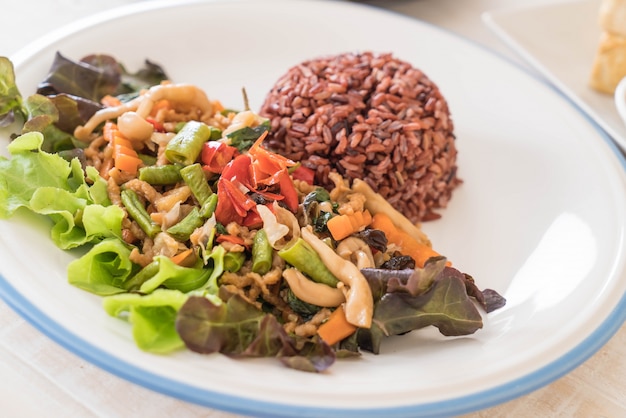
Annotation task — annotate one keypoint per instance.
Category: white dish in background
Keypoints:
(518, 223)
(560, 41)
(620, 99)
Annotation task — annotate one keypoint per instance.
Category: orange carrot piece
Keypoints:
(120, 140)
(158, 217)
(127, 163)
(109, 131)
(234, 239)
(342, 226)
(336, 328)
(408, 245)
(125, 158)
(367, 217)
(181, 256)
(160, 105)
(110, 101)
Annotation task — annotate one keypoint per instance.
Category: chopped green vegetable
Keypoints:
(300, 255)
(186, 146)
(194, 177)
(243, 138)
(138, 212)
(183, 229)
(262, 253)
(160, 174)
(233, 261)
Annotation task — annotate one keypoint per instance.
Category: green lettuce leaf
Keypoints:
(27, 170)
(49, 185)
(104, 269)
(76, 222)
(98, 191)
(173, 276)
(10, 97)
(153, 317)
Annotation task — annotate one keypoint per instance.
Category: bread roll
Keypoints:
(609, 65)
(612, 17)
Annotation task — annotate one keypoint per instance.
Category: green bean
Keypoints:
(233, 261)
(147, 159)
(261, 253)
(183, 229)
(136, 210)
(160, 174)
(193, 176)
(216, 133)
(142, 276)
(303, 257)
(187, 144)
(209, 206)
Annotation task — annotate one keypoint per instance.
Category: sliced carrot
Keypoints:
(182, 256)
(407, 244)
(336, 328)
(110, 101)
(127, 163)
(160, 105)
(356, 219)
(125, 158)
(367, 217)
(120, 140)
(233, 239)
(342, 226)
(339, 226)
(109, 131)
(158, 217)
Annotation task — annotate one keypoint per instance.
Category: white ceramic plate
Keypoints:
(560, 41)
(540, 217)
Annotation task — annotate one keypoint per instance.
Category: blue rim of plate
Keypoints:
(242, 405)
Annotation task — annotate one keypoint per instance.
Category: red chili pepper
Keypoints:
(232, 203)
(253, 220)
(239, 169)
(225, 211)
(216, 155)
(241, 201)
(304, 173)
(267, 162)
(288, 190)
(158, 126)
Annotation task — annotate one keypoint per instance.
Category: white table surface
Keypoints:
(40, 378)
